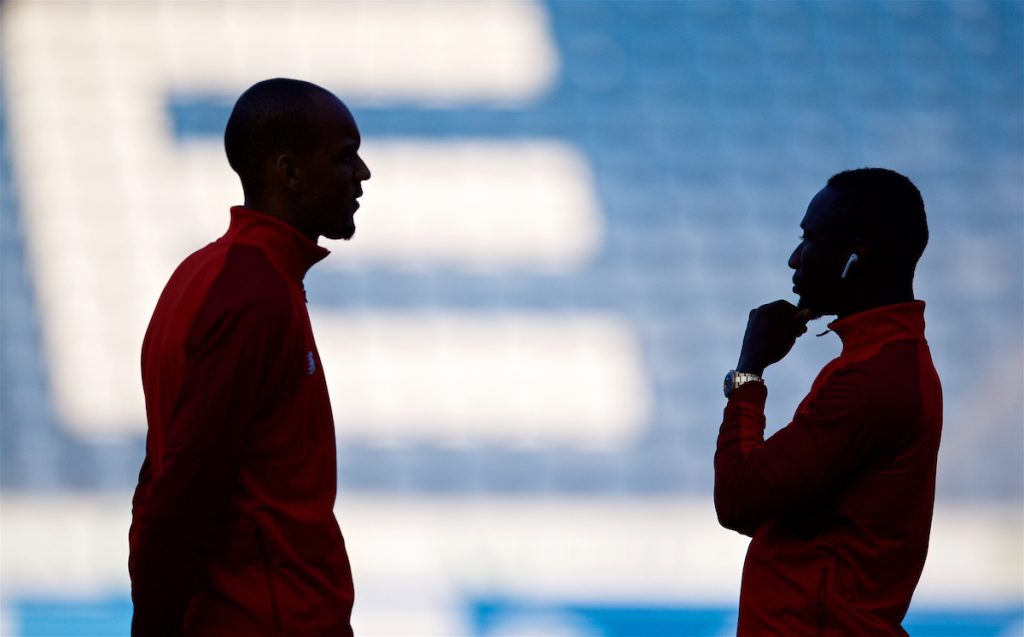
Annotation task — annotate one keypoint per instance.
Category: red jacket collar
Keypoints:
(287, 247)
(866, 331)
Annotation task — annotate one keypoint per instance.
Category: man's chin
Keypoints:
(343, 234)
(812, 309)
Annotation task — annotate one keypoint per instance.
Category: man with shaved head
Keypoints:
(233, 529)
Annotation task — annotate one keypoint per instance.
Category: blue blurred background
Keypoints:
(574, 205)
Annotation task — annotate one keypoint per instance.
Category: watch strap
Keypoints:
(736, 379)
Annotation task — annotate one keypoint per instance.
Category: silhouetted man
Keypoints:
(839, 501)
(233, 528)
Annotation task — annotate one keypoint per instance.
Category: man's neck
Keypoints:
(277, 210)
(879, 298)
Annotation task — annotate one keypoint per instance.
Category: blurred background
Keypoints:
(573, 207)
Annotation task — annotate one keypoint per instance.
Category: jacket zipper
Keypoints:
(823, 582)
(271, 591)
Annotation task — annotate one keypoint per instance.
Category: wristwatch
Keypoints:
(734, 379)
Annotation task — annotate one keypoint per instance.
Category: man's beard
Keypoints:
(813, 311)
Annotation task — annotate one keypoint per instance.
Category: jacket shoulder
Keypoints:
(894, 374)
(893, 392)
(248, 293)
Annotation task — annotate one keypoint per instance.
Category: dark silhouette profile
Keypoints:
(839, 501)
(233, 529)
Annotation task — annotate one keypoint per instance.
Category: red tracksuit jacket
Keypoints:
(233, 530)
(839, 501)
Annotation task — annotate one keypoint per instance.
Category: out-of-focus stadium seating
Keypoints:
(566, 241)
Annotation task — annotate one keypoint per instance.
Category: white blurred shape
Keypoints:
(513, 379)
(70, 546)
(436, 53)
(476, 205)
(434, 552)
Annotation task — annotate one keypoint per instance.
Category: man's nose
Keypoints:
(794, 259)
(364, 170)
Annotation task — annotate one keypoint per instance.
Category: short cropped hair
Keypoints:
(271, 117)
(885, 210)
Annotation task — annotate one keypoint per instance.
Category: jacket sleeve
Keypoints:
(757, 480)
(234, 357)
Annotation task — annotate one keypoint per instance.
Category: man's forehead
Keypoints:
(329, 107)
(822, 210)
(336, 118)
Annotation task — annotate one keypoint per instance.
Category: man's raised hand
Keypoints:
(772, 329)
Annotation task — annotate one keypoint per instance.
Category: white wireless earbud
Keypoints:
(849, 262)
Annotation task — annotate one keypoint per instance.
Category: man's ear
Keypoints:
(854, 257)
(860, 248)
(288, 171)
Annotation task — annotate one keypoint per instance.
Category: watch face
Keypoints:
(727, 386)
